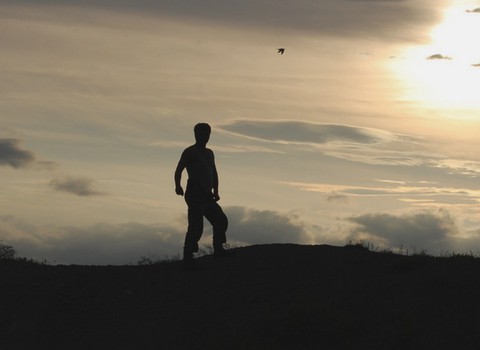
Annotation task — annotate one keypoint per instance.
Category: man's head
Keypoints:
(202, 133)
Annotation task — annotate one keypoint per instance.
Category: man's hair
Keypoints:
(202, 127)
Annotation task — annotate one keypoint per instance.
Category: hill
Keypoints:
(264, 297)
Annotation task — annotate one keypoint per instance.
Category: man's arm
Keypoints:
(178, 175)
(215, 180)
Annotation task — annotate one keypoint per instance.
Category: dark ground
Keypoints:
(264, 297)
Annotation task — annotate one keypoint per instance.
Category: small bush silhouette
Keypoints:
(7, 252)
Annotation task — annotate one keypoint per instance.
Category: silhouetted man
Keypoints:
(201, 195)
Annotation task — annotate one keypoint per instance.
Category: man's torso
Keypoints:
(200, 166)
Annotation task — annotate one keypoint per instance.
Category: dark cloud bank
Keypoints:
(100, 244)
(11, 154)
(116, 244)
(264, 226)
(432, 231)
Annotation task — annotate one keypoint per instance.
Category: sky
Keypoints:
(365, 129)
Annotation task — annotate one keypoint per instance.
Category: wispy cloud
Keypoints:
(305, 132)
(46, 165)
(353, 143)
(230, 148)
(379, 18)
(79, 186)
(402, 191)
(470, 168)
(11, 154)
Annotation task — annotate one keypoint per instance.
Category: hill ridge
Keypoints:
(274, 296)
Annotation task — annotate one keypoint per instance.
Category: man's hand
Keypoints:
(179, 190)
(216, 197)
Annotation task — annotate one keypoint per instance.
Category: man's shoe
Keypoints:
(219, 253)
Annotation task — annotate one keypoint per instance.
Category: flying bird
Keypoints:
(281, 50)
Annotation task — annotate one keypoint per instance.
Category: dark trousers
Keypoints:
(202, 205)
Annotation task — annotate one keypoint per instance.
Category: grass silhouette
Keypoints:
(278, 296)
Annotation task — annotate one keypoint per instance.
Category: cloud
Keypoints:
(46, 165)
(387, 19)
(438, 57)
(335, 197)
(419, 190)
(376, 0)
(125, 243)
(421, 230)
(470, 168)
(98, 244)
(352, 143)
(76, 185)
(13, 155)
(477, 10)
(254, 226)
(303, 132)
(230, 148)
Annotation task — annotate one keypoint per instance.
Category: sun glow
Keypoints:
(446, 73)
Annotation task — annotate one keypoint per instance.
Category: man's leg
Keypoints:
(195, 229)
(219, 221)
